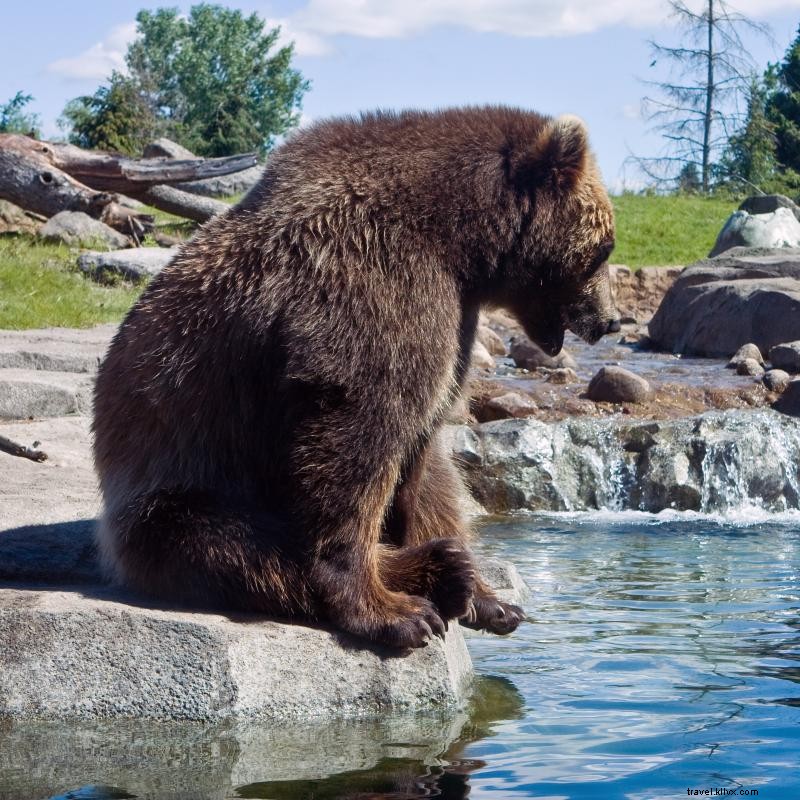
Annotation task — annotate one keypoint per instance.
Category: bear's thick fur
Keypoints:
(266, 419)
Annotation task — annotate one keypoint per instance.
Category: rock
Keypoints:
(504, 579)
(491, 341)
(13, 219)
(166, 148)
(767, 203)
(777, 229)
(530, 356)
(562, 376)
(87, 654)
(776, 380)
(746, 351)
(481, 358)
(463, 444)
(638, 294)
(717, 305)
(749, 366)
(618, 385)
(38, 393)
(134, 264)
(55, 349)
(76, 229)
(786, 356)
(511, 404)
(789, 401)
(719, 462)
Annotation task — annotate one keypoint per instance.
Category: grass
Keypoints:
(40, 285)
(664, 230)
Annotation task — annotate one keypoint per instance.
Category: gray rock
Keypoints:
(463, 443)
(562, 376)
(481, 358)
(717, 305)
(511, 404)
(37, 393)
(789, 401)
(786, 356)
(777, 229)
(68, 654)
(749, 366)
(504, 579)
(55, 349)
(746, 351)
(135, 264)
(528, 355)
(491, 341)
(77, 229)
(767, 203)
(719, 462)
(166, 148)
(618, 385)
(776, 380)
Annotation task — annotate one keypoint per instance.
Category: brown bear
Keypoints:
(267, 417)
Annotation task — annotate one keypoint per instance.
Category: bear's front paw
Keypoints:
(487, 613)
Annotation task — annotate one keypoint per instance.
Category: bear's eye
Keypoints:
(602, 255)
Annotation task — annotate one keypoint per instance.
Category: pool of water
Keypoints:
(660, 657)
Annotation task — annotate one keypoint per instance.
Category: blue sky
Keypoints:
(581, 56)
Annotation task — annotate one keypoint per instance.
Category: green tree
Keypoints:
(14, 118)
(116, 117)
(783, 106)
(750, 158)
(215, 81)
(689, 181)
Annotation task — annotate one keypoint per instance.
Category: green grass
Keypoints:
(666, 230)
(41, 286)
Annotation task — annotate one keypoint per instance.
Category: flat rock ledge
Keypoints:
(92, 653)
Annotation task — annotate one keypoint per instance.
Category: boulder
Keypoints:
(562, 376)
(491, 341)
(786, 356)
(76, 229)
(225, 185)
(717, 305)
(55, 349)
(530, 356)
(135, 264)
(768, 203)
(750, 366)
(746, 351)
(780, 228)
(618, 385)
(776, 380)
(789, 401)
(38, 393)
(481, 358)
(166, 148)
(504, 406)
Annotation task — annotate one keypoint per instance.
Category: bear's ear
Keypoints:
(557, 157)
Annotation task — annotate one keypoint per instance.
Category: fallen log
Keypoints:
(117, 173)
(29, 179)
(183, 204)
(12, 448)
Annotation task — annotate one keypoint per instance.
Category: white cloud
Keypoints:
(631, 111)
(527, 18)
(101, 59)
(306, 42)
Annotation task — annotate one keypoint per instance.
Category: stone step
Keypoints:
(55, 349)
(28, 393)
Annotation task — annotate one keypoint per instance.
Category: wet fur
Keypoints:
(267, 417)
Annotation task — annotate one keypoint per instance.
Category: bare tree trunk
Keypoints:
(29, 179)
(183, 204)
(709, 111)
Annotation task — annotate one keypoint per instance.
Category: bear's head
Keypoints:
(557, 277)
